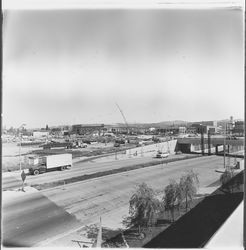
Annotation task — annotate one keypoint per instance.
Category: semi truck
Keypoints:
(50, 162)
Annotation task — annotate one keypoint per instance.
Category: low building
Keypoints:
(124, 129)
(191, 130)
(40, 134)
(205, 126)
(238, 128)
(212, 130)
(85, 129)
(182, 130)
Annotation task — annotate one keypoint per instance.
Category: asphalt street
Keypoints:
(51, 213)
(79, 169)
(11, 182)
(109, 196)
(33, 218)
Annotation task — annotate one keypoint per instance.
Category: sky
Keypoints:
(73, 66)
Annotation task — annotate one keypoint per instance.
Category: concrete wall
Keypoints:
(197, 149)
(168, 146)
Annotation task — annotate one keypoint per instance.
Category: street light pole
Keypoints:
(20, 151)
(20, 137)
(224, 147)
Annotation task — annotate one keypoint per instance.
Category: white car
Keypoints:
(162, 155)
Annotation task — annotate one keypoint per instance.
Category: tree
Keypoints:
(225, 177)
(188, 186)
(143, 207)
(172, 197)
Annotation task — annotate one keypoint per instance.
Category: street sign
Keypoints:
(23, 176)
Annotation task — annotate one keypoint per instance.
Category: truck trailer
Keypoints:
(50, 162)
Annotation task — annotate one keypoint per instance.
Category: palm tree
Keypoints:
(143, 207)
(188, 186)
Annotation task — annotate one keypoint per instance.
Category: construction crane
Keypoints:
(127, 126)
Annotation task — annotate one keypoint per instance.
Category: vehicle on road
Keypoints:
(50, 162)
(79, 144)
(178, 152)
(162, 155)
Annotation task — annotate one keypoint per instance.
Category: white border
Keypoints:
(98, 4)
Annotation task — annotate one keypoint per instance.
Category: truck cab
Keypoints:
(37, 169)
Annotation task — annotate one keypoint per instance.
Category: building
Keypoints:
(204, 127)
(191, 130)
(40, 134)
(238, 128)
(126, 129)
(182, 130)
(87, 129)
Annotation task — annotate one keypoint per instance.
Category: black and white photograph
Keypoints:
(123, 124)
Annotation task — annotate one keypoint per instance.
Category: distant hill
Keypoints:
(171, 123)
(175, 123)
(157, 124)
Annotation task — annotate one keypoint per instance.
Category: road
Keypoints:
(11, 182)
(83, 199)
(33, 218)
(79, 169)
(106, 196)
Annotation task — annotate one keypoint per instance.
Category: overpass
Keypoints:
(214, 144)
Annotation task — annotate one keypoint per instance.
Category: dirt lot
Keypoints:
(11, 160)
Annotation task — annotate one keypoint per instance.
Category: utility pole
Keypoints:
(99, 235)
(20, 138)
(20, 151)
(224, 148)
(209, 143)
(202, 140)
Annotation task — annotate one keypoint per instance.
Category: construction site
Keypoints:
(99, 177)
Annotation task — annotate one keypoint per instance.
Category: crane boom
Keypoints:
(122, 115)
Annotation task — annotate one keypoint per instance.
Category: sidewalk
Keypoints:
(8, 196)
(194, 229)
(227, 236)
